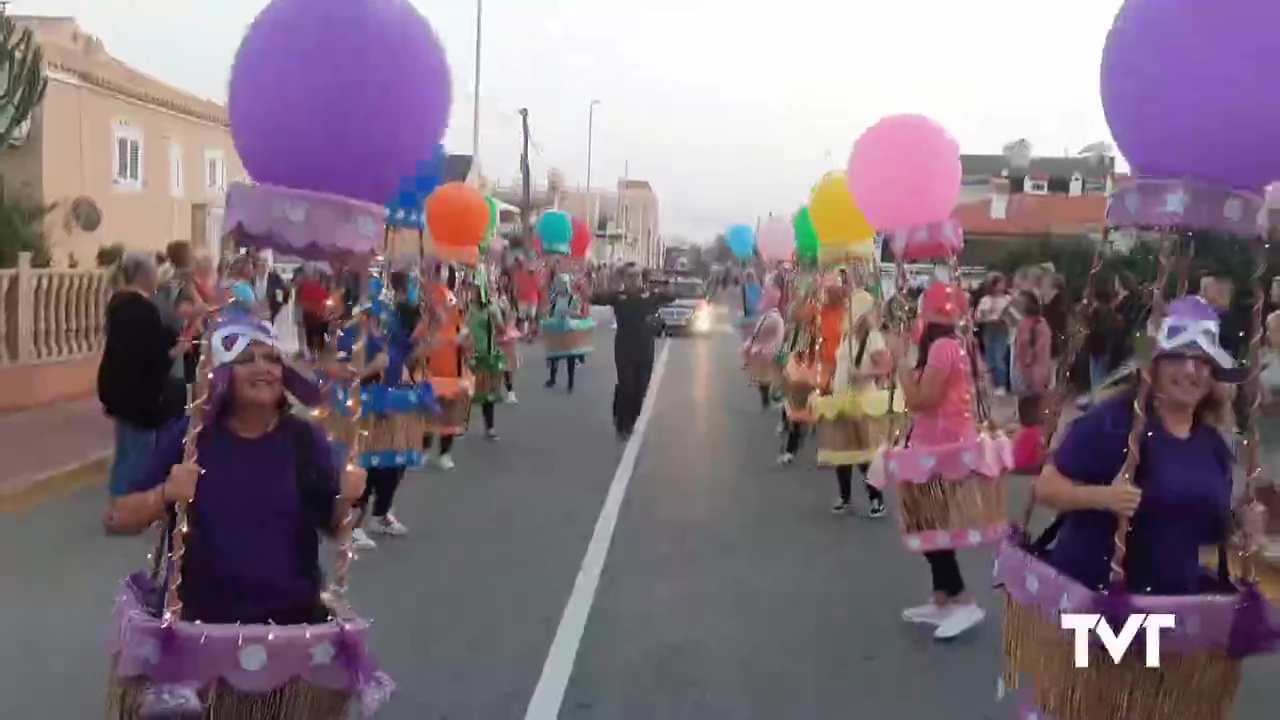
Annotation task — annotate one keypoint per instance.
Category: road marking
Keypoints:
(549, 693)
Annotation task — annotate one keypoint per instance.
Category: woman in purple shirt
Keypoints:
(1180, 499)
(265, 487)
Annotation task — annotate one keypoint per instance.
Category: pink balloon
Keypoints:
(776, 239)
(905, 171)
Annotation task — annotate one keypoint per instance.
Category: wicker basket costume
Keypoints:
(490, 385)
(948, 496)
(453, 402)
(568, 336)
(396, 419)
(853, 427)
(237, 672)
(800, 381)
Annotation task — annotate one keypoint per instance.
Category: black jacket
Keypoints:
(635, 311)
(135, 361)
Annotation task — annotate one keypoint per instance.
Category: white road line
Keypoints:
(549, 694)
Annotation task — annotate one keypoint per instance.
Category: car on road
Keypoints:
(690, 310)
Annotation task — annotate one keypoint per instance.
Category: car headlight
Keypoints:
(701, 321)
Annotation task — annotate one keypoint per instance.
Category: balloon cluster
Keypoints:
(904, 172)
(560, 233)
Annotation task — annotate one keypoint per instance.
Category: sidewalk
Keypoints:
(52, 450)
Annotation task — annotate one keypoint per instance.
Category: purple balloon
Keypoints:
(1185, 89)
(339, 96)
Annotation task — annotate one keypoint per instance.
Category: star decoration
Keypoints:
(322, 654)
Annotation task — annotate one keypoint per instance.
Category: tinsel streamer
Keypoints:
(1252, 440)
(359, 433)
(178, 536)
(981, 378)
(1133, 454)
(1077, 331)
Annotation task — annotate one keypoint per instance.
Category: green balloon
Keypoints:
(806, 236)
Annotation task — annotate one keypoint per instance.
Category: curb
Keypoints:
(24, 494)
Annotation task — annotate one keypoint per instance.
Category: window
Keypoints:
(1038, 187)
(127, 157)
(176, 169)
(215, 171)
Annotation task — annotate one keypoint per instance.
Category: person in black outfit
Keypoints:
(634, 307)
(136, 361)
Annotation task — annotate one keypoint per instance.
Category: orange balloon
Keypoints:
(457, 215)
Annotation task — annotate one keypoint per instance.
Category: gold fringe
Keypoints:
(566, 341)
(296, 700)
(489, 382)
(950, 505)
(1185, 687)
(850, 436)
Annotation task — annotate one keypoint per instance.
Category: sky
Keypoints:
(730, 109)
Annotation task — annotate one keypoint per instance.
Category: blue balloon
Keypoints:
(741, 240)
(555, 230)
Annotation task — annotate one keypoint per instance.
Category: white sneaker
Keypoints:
(927, 614)
(960, 618)
(786, 458)
(445, 462)
(361, 540)
(511, 398)
(781, 429)
(388, 525)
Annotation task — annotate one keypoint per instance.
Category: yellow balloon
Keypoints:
(836, 219)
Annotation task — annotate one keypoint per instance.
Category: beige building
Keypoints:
(625, 220)
(153, 160)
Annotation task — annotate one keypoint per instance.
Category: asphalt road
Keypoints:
(729, 591)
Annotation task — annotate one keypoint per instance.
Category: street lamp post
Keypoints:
(591, 131)
(475, 105)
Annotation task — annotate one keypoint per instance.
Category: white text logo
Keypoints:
(1117, 644)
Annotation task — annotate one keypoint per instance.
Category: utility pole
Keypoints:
(592, 215)
(526, 190)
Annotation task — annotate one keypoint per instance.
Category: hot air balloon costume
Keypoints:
(486, 326)
(231, 623)
(567, 330)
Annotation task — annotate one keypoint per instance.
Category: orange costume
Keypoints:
(446, 366)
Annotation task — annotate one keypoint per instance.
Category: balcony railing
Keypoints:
(51, 315)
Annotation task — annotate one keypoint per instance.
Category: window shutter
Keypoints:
(122, 158)
(135, 160)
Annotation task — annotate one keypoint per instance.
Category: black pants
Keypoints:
(315, 334)
(486, 411)
(571, 368)
(509, 381)
(381, 485)
(844, 478)
(765, 396)
(946, 573)
(446, 443)
(794, 432)
(634, 368)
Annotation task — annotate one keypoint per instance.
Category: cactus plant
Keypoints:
(22, 78)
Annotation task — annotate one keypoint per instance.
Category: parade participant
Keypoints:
(509, 333)
(527, 296)
(939, 393)
(634, 306)
(445, 363)
(563, 308)
(752, 292)
(136, 360)
(760, 350)
(831, 322)
(1180, 497)
(799, 377)
(388, 343)
(248, 562)
(863, 362)
(485, 324)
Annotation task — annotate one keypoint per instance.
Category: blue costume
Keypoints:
(390, 401)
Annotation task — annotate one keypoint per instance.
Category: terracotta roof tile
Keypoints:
(101, 70)
(1035, 215)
